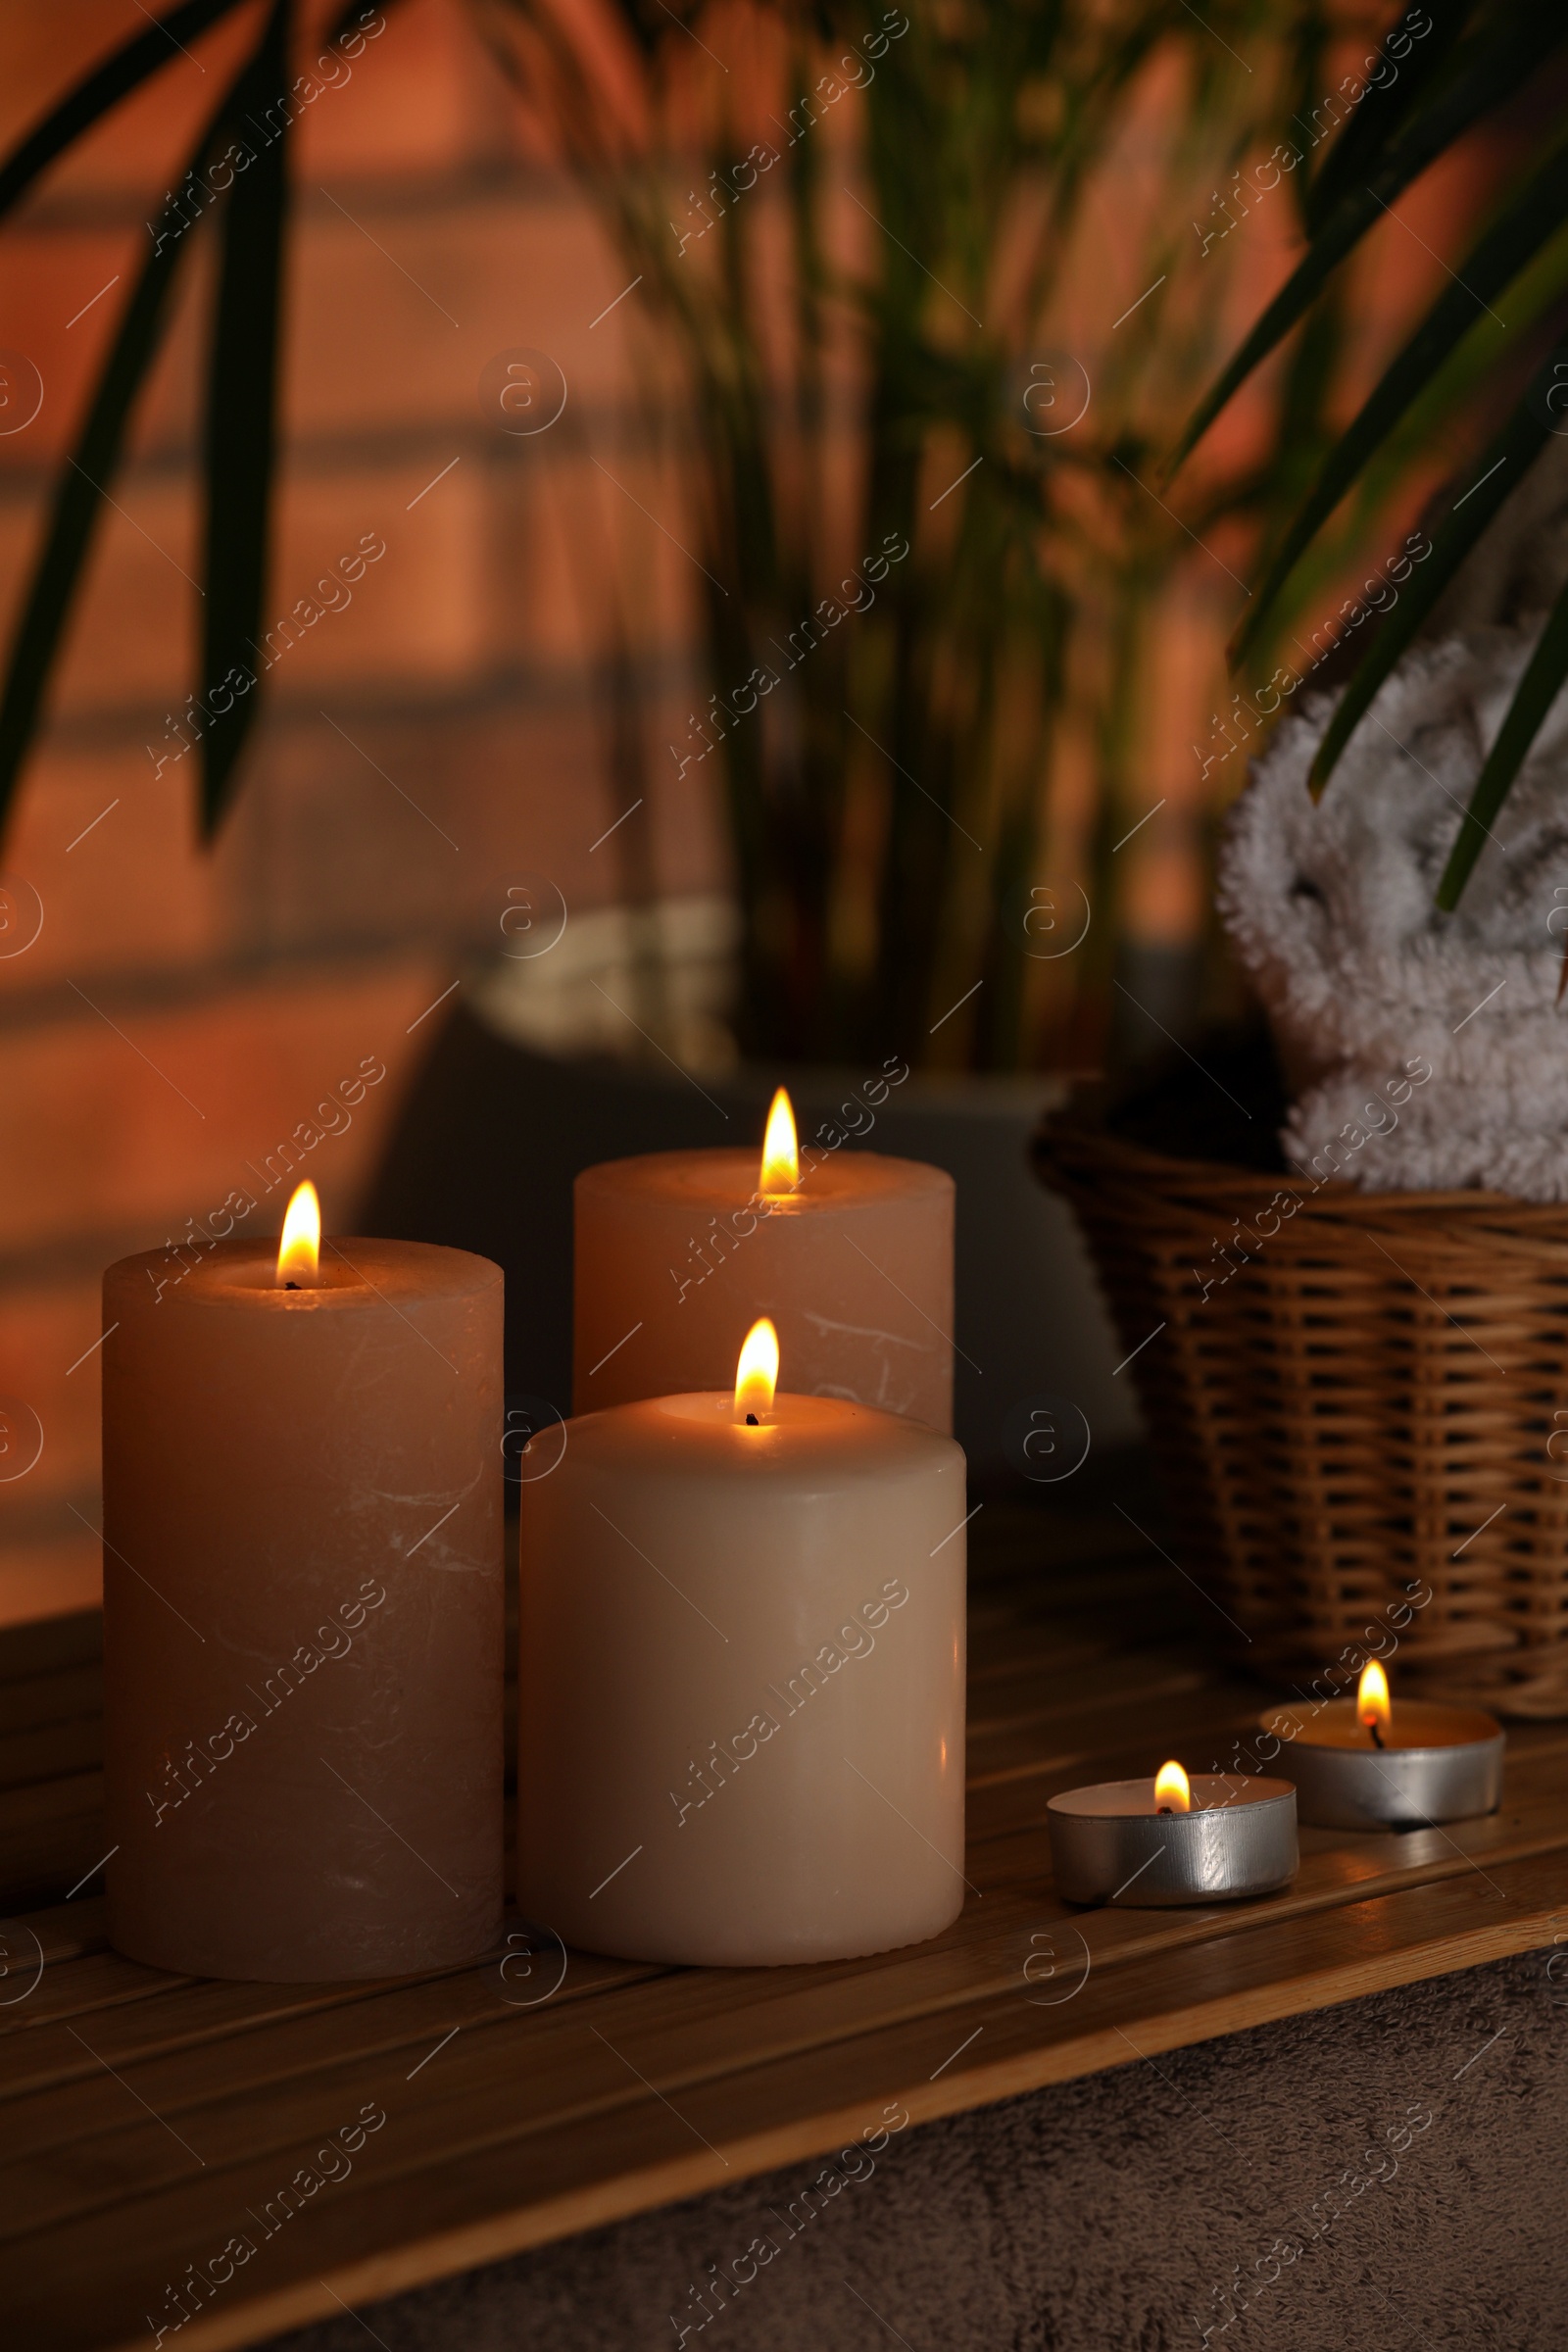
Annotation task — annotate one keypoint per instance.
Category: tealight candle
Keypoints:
(1173, 1839)
(303, 1626)
(1365, 1764)
(741, 1695)
(849, 1257)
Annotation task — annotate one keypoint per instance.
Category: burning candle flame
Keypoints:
(756, 1373)
(1173, 1790)
(1373, 1706)
(781, 1159)
(299, 1249)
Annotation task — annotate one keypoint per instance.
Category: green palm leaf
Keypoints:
(1503, 465)
(1483, 72)
(1537, 691)
(1534, 217)
(241, 428)
(1385, 106)
(78, 500)
(103, 88)
(358, 12)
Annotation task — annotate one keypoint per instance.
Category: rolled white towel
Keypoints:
(1367, 986)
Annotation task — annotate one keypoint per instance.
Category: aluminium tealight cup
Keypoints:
(1109, 1845)
(1454, 1778)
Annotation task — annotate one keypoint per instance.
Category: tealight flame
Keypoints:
(1173, 1790)
(756, 1373)
(299, 1250)
(1373, 1706)
(781, 1158)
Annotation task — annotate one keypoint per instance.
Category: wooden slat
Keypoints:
(1048, 1692)
(179, 2079)
(51, 1834)
(151, 2013)
(1149, 1730)
(49, 1645)
(51, 1751)
(1026, 1648)
(42, 1698)
(65, 1930)
(21, 1810)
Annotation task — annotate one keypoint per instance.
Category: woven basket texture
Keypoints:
(1364, 1410)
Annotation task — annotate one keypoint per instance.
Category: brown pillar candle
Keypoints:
(848, 1254)
(303, 1612)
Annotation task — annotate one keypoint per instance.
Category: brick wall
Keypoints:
(179, 1014)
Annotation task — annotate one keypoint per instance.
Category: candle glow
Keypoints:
(299, 1249)
(1173, 1792)
(1373, 1706)
(756, 1373)
(781, 1159)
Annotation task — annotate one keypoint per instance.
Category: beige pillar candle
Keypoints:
(849, 1253)
(303, 1613)
(741, 1694)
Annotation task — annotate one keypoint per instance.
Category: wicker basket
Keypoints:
(1367, 1405)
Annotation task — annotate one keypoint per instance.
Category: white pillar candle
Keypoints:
(741, 1690)
(849, 1254)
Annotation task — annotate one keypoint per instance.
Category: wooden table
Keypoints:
(150, 2120)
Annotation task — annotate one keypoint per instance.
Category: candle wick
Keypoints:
(1372, 1727)
(1162, 1808)
(291, 1285)
(752, 1421)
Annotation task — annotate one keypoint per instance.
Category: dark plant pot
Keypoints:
(492, 1134)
